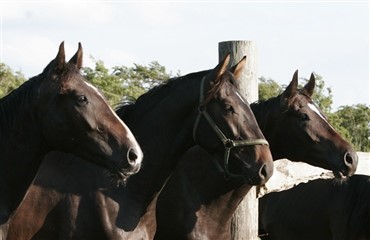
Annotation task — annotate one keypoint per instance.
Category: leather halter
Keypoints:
(227, 142)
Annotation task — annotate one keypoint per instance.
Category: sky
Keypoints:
(330, 38)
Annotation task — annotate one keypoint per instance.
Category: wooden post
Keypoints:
(245, 220)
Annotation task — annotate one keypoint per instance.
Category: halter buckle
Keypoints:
(229, 143)
(202, 108)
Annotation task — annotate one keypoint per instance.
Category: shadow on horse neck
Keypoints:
(197, 201)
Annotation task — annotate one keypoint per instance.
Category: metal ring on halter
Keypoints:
(227, 142)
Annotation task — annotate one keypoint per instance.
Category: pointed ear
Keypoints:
(214, 77)
(238, 68)
(290, 90)
(310, 85)
(221, 68)
(60, 59)
(77, 58)
(292, 87)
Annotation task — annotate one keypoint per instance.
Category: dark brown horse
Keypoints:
(202, 107)
(197, 202)
(322, 209)
(298, 130)
(58, 110)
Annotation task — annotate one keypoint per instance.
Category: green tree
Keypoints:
(139, 78)
(124, 83)
(9, 80)
(268, 88)
(110, 85)
(355, 120)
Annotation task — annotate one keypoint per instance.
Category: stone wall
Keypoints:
(288, 174)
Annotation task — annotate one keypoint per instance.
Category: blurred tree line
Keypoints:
(122, 83)
(9, 80)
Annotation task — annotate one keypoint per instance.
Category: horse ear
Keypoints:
(60, 59)
(290, 90)
(215, 75)
(310, 85)
(293, 85)
(238, 68)
(221, 68)
(77, 58)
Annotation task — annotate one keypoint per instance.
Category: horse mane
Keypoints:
(263, 110)
(153, 96)
(23, 97)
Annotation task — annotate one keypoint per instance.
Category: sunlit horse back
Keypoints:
(298, 130)
(59, 110)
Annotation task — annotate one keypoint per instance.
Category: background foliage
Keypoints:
(122, 83)
(9, 80)
(125, 83)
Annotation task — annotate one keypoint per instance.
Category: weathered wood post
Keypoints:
(245, 219)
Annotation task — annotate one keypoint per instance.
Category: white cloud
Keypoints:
(156, 14)
(110, 56)
(30, 56)
(184, 36)
(61, 13)
(33, 55)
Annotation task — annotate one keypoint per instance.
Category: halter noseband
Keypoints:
(227, 142)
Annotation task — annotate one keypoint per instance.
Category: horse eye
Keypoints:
(82, 99)
(229, 108)
(303, 117)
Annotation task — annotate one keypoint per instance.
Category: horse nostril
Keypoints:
(348, 159)
(263, 172)
(131, 156)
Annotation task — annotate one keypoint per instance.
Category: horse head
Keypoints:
(231, 133)
(76, 118)
(303, 133)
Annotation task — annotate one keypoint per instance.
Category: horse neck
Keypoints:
(164, 131)
(208, 194)
(21, 144)
(226, 204)
(222, 201)
(267, 115)
(217, 192)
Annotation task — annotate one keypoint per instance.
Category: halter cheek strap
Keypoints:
(227, 142)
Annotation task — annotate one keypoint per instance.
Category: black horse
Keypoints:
(322, 209)
(197, 202)
(58, 110)
(202, 107)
